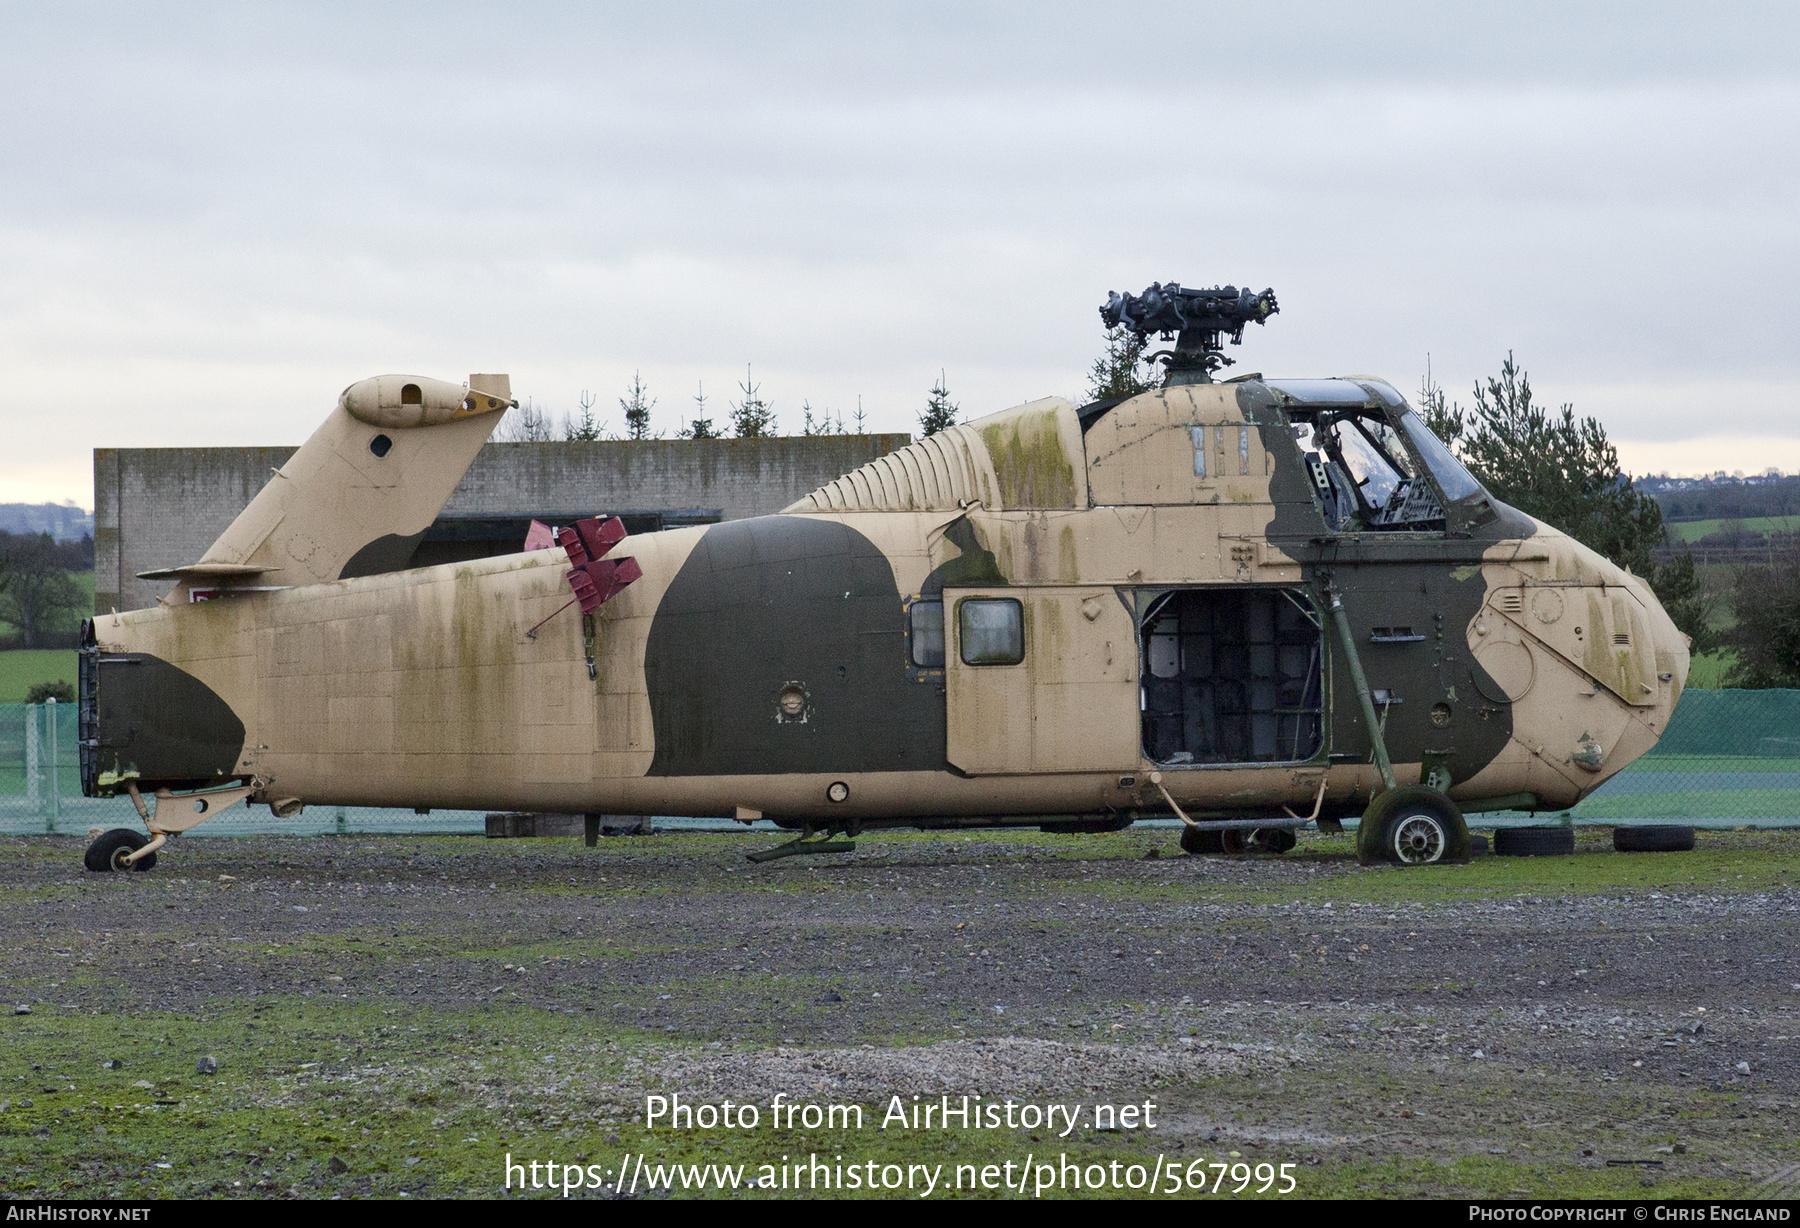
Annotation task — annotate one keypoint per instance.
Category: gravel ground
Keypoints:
(1555, 1013)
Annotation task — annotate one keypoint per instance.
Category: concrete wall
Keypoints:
(162, 507)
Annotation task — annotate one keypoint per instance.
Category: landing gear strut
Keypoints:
(123, 849)
(805, 844)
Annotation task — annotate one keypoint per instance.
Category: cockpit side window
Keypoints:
(1362, 473)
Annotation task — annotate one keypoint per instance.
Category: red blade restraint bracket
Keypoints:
(596, 579)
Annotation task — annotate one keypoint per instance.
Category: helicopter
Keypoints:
(1251, 604)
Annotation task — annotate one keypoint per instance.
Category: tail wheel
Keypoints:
(109, 851)
(1412, 826)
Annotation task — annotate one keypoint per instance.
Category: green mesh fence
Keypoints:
(1728, 759)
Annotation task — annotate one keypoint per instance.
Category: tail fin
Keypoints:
(356, 499)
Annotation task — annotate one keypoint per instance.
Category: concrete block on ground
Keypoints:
(509, 826)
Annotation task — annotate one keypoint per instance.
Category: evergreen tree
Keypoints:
(822, 425)
(702, 426)
(752, 418)
(1564, 471)
(861, 419)
(526, 424)
(1766, 637)
(1122, 371)
(940, 412)
(637, 409)
(584, 427)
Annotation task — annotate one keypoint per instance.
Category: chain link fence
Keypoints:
(1728, 759)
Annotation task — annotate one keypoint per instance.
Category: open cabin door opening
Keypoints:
(1232, 676)
(1040, 680)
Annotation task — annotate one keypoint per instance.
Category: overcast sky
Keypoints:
(212, 219)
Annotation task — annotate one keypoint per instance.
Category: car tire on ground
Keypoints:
(109, 850)
(1654, 838)
(1200, 842)
(1478, 847)
(1534, 841)
(1411, 825)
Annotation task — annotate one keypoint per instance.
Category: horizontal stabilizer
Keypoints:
(206, 571)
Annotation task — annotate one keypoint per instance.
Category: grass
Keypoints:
(1707, 672)
(25, 667)
(1694, 530)
(1722, 863)
(427, 1102)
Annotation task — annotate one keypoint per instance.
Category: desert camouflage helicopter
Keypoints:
(1249, 603)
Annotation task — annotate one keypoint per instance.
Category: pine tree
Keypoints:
(1565, 471)
(583, 428)
(752, 418)
(822, 425)
(1122, 371)
(861, 419)
(637, 409)
(526, 424)
(940, 412)
(702, 426)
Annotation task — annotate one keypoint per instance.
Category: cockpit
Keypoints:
(1367, 453)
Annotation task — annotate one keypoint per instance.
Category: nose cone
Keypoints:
(1672, 655)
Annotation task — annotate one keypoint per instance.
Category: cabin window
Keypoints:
(926, 631)
(1232, 676)
(380, 445)
(991, 631)
(410, 394)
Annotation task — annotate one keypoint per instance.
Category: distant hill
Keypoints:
(64, 523)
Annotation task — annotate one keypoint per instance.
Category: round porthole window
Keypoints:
(380, 445)
(838, 791)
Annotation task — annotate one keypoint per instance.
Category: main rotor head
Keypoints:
(1199, 320)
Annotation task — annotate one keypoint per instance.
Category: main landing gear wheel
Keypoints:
(1412, 826)
(109, 851)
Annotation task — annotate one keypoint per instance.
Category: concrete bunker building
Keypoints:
(162, 507)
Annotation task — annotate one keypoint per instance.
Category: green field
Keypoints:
(1694, 530)
(20, 669)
